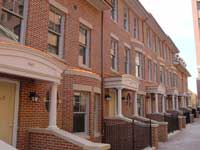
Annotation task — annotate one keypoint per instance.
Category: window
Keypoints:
(154, 42)
(149, 70)
(11, 18)
(198, 5)
(55, 32)
(81, 111)
(139, 64)
(148, 37)
(114, 54)
(140, 102)
(155, 72)
(162, 80)
(96, 113)
(126, 19)
(127, 61)
(136, 28)
(84, 47)
(114, 10)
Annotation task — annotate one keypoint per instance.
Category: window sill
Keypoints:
(58, 57)
(113, 70)
(83, 135)
(85, 67)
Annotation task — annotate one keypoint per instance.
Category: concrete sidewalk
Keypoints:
(186, 139)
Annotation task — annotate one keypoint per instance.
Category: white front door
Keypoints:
(7, 109)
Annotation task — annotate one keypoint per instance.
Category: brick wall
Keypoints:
(42, 141)
(68, 93)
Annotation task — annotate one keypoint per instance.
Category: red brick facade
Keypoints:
(36, 115)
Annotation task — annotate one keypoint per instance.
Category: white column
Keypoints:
(150, 105)
(135, 105)
(156, 102)
(119, 101)
(182, 101)
(163, 104)
(177, 107)
(173, 102)
(53, 106)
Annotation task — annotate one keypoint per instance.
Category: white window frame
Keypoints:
(127, 61)
(23, 18)
(115, 54)
(87, 55)
(149, 70)
(148, 37)
(114, 10)
(136, 28)
(86, 112)
(62, 31)
(126, 18)
(155, 72)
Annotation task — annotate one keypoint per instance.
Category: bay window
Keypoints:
(126, 19)
(127, 61)
(81, 112)
(139, 65)
(12, 19)
(149, 70)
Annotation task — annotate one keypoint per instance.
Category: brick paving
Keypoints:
(186, 139)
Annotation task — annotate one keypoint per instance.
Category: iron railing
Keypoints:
(122, 135)
(172, 122)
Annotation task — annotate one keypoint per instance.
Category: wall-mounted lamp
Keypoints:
(108, 97)
(33, 96)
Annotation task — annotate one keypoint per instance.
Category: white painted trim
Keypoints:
(127, 45)
(80, 87)
(72, 138)
(82, 73)
(16, 109)
(85, 23)
(24, 22)
(58, 6)
(114, 36)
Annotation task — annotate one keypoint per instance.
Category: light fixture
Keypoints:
(108, 97)
(33, 96)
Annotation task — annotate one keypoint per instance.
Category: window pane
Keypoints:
(76, 103)
(53, 41)
(79, 123)
(16, 6)
(11, 24)
(83, 36)
(54, 21)
(82, 55)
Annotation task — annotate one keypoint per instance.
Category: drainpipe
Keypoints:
(102, 70)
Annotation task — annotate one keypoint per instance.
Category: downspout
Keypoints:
(102, 72)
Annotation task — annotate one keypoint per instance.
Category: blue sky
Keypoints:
(175, 17)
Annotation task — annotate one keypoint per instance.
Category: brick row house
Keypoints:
(67, 66)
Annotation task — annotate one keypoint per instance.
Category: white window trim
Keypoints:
(62, 34)
(87, 65)
(114, 36)
(116, 58)
(128, 60)
(87, 110)
(24, 22)
(86, 23)
(115, 18)
(58, 6)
